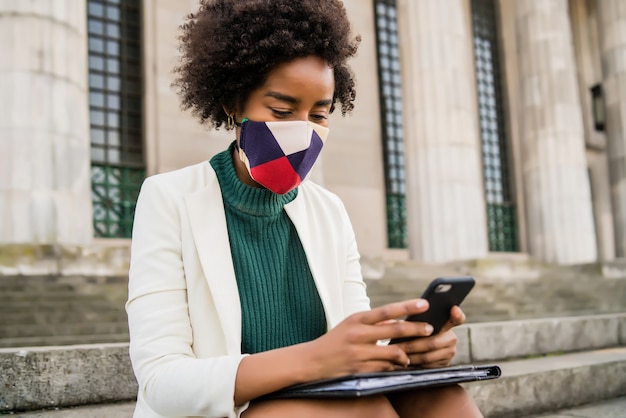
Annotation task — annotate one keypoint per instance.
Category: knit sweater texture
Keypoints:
(280, 305)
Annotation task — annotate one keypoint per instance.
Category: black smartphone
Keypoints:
(442, 294)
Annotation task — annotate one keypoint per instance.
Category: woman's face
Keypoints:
(298, 90)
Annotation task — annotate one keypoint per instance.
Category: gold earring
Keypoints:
(230, 123)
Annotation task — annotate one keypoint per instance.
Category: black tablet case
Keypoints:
(365, 384)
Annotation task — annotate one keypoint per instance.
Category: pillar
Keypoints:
(445, 196)
(556, 184)
(612, 35)
(45, 192)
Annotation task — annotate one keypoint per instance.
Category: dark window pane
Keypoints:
(96, 27)
(96, 63)
(391, 118)
(97, 136)
(113, 66)
(96, 117)
(113, 30)
(97, 154)
(114, 83)
(96, 81)
(501, 218)
(96, 99)
(113, 120)
(95, 9)
(113, 48)
(115, 97)
(96, 44)
(113, 101)
(113, 13)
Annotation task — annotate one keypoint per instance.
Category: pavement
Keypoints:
(612, 408)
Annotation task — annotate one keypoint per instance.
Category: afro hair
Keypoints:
(228, 48)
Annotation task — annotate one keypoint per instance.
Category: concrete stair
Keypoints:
(548, 364)
(505, 290)
(559, 335)
(49, 310)
(61, 310)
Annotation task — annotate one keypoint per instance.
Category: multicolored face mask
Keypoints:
(280, 155)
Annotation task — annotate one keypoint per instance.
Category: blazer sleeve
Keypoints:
(172, 381)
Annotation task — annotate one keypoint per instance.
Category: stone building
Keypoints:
(481, 128)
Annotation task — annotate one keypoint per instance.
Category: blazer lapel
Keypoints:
(208, 225)
(304, 219)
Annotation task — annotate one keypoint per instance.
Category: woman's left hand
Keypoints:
(436, 350)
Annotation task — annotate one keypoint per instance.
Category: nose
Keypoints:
(301, 115)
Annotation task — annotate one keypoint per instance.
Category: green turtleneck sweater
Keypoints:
(280, 305)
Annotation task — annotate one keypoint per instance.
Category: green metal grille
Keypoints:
(114, 191)
(390, 85)
(116, 115)
(501, 213)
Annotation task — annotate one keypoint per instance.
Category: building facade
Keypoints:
(481, 128)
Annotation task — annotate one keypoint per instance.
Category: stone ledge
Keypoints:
(534, 337)
(528, 386)
(45, 377)
(103, 257)
(551, 383)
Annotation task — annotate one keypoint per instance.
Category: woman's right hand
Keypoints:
(352, 346)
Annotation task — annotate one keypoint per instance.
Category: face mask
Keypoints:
(280, 155)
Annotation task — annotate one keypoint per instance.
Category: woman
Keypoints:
(243, 278)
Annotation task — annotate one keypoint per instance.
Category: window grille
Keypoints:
(116, 113)
(501, 209)
(391, 116)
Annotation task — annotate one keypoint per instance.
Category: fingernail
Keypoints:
(421, 303)
(428, 328)
(408, 362)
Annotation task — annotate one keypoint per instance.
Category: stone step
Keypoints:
(49, 310)
(58, 329)
(63, 340)
(527, 386)
(524, 298)
(52, 316)
(539, 374)
(612, 408)
(545, 384)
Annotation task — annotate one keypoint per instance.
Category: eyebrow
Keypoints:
(293, 100)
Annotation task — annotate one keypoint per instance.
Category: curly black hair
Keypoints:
(228, 48)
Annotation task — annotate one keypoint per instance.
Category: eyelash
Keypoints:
(284, 114)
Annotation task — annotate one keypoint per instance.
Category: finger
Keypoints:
(389, 321)
(437, 342)
(375, 356)
(457, 317)
(388, 330)
(436, 358)
(392, 311)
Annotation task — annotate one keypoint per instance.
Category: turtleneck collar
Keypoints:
(253, 201)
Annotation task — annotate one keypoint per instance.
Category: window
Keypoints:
(501, 213)
(116, 113)
(391, 117)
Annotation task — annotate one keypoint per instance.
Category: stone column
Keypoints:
(556, 184)
(612, 34)
(445, 195)
(45, 192)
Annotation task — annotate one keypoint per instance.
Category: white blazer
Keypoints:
(183, 308)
